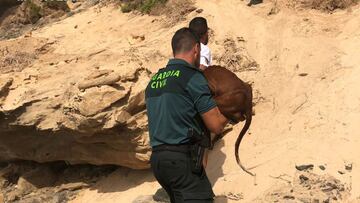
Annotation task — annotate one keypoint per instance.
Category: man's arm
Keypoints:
(214, 120)
(204, 104)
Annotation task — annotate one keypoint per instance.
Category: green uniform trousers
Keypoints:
(173, 171)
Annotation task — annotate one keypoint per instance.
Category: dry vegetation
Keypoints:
(327, 6)
(145, 6)
(331, 5)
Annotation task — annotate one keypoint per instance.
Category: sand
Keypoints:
(305, 87)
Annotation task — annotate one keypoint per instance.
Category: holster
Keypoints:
(198, 142)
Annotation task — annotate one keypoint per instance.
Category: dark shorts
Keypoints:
(172, 170)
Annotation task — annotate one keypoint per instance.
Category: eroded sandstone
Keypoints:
(73, 112)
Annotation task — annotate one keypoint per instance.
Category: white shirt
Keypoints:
(205, 55)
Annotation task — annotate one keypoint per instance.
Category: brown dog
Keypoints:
(234, 100)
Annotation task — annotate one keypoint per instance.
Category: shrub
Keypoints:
(34, 11)
(144, 6)
(331, 5)
(56, 5)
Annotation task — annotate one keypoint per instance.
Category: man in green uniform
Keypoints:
(179, 108)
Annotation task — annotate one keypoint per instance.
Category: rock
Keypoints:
(95, 100)
(123, 117)
(161, 196)
(2, 182)
(45, 117)
(303, 74)
(136, 103)
(310, 187)
(274, 9)
(72, 186)
(199, 10)
(137, 95)
(5, 83)
(61, 197)
(138, 37)
(322, 167)
(9, 174)
(304, 167)
(41, 177)
(254, 2)
(348, 167)
(235, 196)
(34, 179)
(133, 39)
(24, 186)
(144, 199)
(12, 196)
(303, 178)
(288, 197)
(50, 120)
(99, 78)
(341, 172)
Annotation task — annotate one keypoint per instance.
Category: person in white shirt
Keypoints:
(199, 26)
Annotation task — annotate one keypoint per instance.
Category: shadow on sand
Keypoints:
(121, 177)
(124, 179)
(214, 169)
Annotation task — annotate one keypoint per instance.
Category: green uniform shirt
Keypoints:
(175, 98)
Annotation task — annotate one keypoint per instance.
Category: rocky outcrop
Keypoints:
(15, 14)
(84, 115)
(26, 181)
(101, 125)
(9, 3)
(30, 11)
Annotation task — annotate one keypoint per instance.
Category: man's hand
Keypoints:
(202, 67)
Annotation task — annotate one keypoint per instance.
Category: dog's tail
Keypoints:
(248, 115)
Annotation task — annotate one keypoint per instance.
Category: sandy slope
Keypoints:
(311, 118)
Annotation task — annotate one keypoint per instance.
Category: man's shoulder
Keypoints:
(197, 79)
(175, 78)
(186, 72)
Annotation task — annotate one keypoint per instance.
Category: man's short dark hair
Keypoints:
(199, 26)
(183, 40)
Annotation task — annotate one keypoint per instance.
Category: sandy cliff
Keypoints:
(72, 90)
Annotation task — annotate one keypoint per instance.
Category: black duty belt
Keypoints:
(175, 148)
